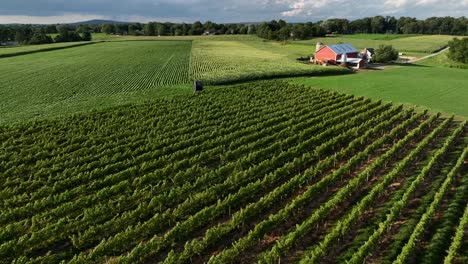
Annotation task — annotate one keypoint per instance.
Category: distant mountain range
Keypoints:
(98, 22)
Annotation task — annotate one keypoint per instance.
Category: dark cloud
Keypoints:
(230, 11)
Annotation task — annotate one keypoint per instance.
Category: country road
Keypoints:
(428, 56)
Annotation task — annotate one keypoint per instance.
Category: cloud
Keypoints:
(47, 11)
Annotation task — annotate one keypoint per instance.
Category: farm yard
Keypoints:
(108, 156)
(428, 83)
(264, 171)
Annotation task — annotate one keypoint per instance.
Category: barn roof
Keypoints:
(342, 48)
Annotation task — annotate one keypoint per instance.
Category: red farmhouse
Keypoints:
(332, 53)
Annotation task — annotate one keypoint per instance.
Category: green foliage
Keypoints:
(385, 53)
(207, 177)
(40, 39)
(108, 29)
(459, 50)
(86, 36)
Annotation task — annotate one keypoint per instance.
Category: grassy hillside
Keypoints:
(264, 171)
(428, 84)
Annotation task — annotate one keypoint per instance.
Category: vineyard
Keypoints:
(264, 172)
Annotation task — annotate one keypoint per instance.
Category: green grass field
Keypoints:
(427, 84)
(378, 36)
(421, 44)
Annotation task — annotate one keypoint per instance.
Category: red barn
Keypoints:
(332, 53)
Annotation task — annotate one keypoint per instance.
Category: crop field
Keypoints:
(265, 171)
(59, 82)
(55, 81)
(229, 61)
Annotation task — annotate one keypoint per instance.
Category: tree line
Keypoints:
(272, 30)
(281, 30)
(35, 35)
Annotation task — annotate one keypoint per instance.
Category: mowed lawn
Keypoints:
(439, 88)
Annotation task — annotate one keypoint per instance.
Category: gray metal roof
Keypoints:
(342, 48)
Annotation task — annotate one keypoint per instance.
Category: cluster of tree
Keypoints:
(173, 29)
(280, 30)
(385, 53)
(459, 50)
(410, 25)
(34, 35)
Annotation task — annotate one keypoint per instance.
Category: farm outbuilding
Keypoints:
(331, 54)
(368, 54)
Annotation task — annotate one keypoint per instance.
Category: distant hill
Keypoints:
(97, 22)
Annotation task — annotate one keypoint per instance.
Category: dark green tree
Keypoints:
(23, 34)
(284, 33)
(150, 29)
(108, 29)
(40, 38)
(197, 28)
(385, 53)
(161, 29)
(378, 24)
(50, 29)
(251, 30)
(86, 36)
(459, 50)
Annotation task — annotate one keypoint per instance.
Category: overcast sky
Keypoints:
(223, 11)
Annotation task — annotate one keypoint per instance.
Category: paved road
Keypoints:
(428, 56)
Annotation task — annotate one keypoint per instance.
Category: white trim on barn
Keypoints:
(354, 62)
